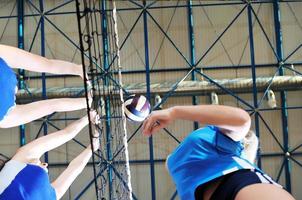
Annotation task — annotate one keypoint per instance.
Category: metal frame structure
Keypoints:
(194, 69)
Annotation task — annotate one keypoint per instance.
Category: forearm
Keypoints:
(18, 58)
(38, 147)
(79, 163)
(211, 114)
(64, 67)
(76, 166)
(74, 128)
(44, 65)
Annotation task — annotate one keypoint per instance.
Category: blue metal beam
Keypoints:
(252, 54)
(107, 98)
(44, 96)
(21, 71)
(35, 35)
(169, 38)
(127, 36)
(219, 37)
(152, 7)
(284, 113)
(228, 91)
(8, 20)
(184, 69)
(192, 49)
(292, 53)
(59, 6)
(179, 69)
(280, 170)
(265, 35)
(35, 7)
(147, 67)
(271, 132)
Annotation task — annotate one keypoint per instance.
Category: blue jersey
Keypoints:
(8, 84)
(20, 181)
(204, 155)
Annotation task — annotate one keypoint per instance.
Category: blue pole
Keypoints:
(151, 153)
(21, 71)
(284, 112)
(252, 54)
(192, 50)
(107, 99)
(44, 96)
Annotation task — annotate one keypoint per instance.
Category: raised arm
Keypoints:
(232, 121)
(18, 58)
(36, 148)
(76, 166)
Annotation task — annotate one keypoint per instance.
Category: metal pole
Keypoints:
(151, 153)
(107, 99)
(284, 112)
(21, 71)
(252, 54)
(192, 50)
(44, 96)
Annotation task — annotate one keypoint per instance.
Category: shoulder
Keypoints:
(236, 133)
(9, 172)
(206, 133)
(214, 137)
(12, 166)
(4, 66)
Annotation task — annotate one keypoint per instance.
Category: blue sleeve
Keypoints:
(8, 84)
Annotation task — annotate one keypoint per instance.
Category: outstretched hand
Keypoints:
(156, 121)
(94, 117)
(81, 73)
(96, 141)
(89, 89)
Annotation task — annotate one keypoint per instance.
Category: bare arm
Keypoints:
(234, 122)
(76, 166)
(18, 58)
(36, 148)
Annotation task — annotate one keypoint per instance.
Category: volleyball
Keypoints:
(137, 108)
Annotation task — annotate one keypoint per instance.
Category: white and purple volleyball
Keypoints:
(137, 108)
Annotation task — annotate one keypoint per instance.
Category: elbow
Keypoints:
(245, 122)
(5, 125)
(243, 118)
(247, 119)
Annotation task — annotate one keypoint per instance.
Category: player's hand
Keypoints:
(89, 90)
(96, 141)
(157, 120)
(90, 97)
(81, 73)
(94, 117)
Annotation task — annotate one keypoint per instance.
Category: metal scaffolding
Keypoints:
(200, 84)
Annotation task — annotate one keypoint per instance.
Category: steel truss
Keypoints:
(195, 69)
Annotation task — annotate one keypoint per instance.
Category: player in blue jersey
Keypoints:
(215, 162)
(25, 177)
(13, 115)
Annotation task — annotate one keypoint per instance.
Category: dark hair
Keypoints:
(2, 163)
